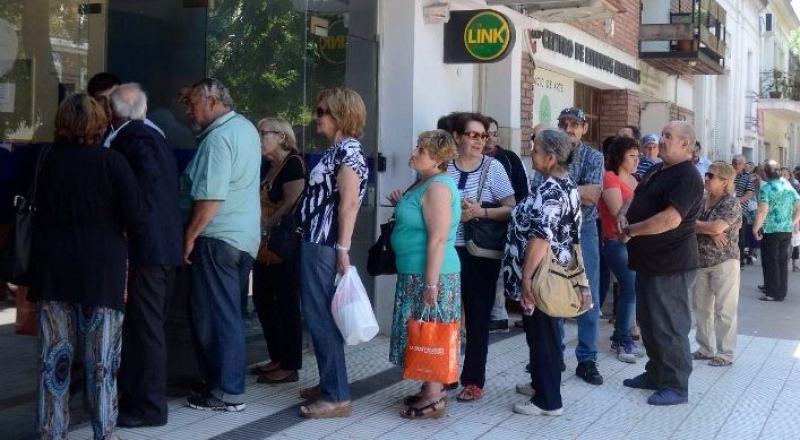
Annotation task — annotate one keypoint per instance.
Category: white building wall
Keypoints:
(724, 102)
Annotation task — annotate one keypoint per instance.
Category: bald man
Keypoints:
(659, 222)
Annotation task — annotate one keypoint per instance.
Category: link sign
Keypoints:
(480, 36)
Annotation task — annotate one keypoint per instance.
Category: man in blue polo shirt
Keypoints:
(219, 190)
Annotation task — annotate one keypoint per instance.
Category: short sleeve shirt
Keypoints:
(728, 210)
(496, 187)
(322, 185)
(226, 168)
(586, 169)
(551, 212)
(612, 180)
(681, 187)
(781, 198)
(743, 183)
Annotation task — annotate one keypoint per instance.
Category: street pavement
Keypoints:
(758, 397)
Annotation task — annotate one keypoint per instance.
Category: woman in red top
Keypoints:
(622, 159)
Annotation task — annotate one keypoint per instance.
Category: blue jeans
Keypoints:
(587, 322)
(219, 277)
(317, 275)
(616, 256)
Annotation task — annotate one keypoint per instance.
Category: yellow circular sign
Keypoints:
(487, 36)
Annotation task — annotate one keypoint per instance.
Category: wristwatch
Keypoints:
(627, 230)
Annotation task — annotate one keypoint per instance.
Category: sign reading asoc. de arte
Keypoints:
(480, 36)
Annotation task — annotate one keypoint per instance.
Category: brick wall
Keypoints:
(626, 28)
(618, 108)
(677, 113)
(526, 103)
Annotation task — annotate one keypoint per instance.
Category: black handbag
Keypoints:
(485, 237)
(381, 257)
(16, 252)
(285, 237)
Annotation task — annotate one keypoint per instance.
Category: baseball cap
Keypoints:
(574, 113)
(650, 139)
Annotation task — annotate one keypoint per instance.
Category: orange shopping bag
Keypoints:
(26, 314)
(432, 351)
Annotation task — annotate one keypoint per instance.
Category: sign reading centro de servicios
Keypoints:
(479, 36)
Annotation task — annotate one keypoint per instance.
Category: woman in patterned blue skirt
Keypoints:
(427, 217)
(86, 198)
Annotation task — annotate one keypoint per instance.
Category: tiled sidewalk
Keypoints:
(756, 398)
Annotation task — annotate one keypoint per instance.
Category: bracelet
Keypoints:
(339, 247)
(430, 286)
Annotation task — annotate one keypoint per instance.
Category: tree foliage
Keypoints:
(263, 47)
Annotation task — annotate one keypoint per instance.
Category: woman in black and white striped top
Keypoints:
(478, 274)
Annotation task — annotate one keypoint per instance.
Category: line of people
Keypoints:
(119, 219)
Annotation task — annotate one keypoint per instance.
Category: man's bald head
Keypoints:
(129, 102)
(677, 142)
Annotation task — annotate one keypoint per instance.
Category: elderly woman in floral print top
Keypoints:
(716, 292)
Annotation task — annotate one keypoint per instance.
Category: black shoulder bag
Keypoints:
(284, 237)
(16, 252)
(485, 237)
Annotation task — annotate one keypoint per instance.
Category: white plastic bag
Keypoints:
(796, 239)
(351, 309)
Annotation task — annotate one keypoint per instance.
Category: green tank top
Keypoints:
(410, 237)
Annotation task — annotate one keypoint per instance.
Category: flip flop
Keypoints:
(719, 362)
(432, 410)
(701, 357)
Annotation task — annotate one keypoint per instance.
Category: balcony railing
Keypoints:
(780, 84)
(693, 42)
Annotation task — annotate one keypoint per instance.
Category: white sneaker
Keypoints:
(529, 409)
(525, 389)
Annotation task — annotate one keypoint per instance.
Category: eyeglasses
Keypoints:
(492, 133)
(322, 112)
(263, 133)
(712, 175)
(474, 135)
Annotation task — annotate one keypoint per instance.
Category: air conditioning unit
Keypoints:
(562, 10)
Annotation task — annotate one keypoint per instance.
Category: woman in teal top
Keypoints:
(427, 217)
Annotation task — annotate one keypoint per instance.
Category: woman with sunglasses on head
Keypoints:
(716, 291)
(428, 281)
(328, 210)
(478, 274)
(275, 291)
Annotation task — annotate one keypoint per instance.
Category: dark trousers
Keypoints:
(277, 301)
(478, 282)
(219, 277)
(774, 263)
(143, 373)
(662, 308)
(544, 345)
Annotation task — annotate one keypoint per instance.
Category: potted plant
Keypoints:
(774, 83)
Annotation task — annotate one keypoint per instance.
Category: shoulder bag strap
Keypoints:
(296, 202)
(484, 175)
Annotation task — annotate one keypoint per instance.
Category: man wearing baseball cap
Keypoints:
(586, 170)
(648, 155)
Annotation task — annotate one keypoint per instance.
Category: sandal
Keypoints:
(311, 393)
(269, 367)
(698, 356)
(719, 362)
(470, 393)
(275, 377)
(322, 409)
(413, 399)
(433, 410)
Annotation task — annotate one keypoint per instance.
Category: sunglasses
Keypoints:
(264, 133)
(322, 112)
(474, 135)
(712, 175)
